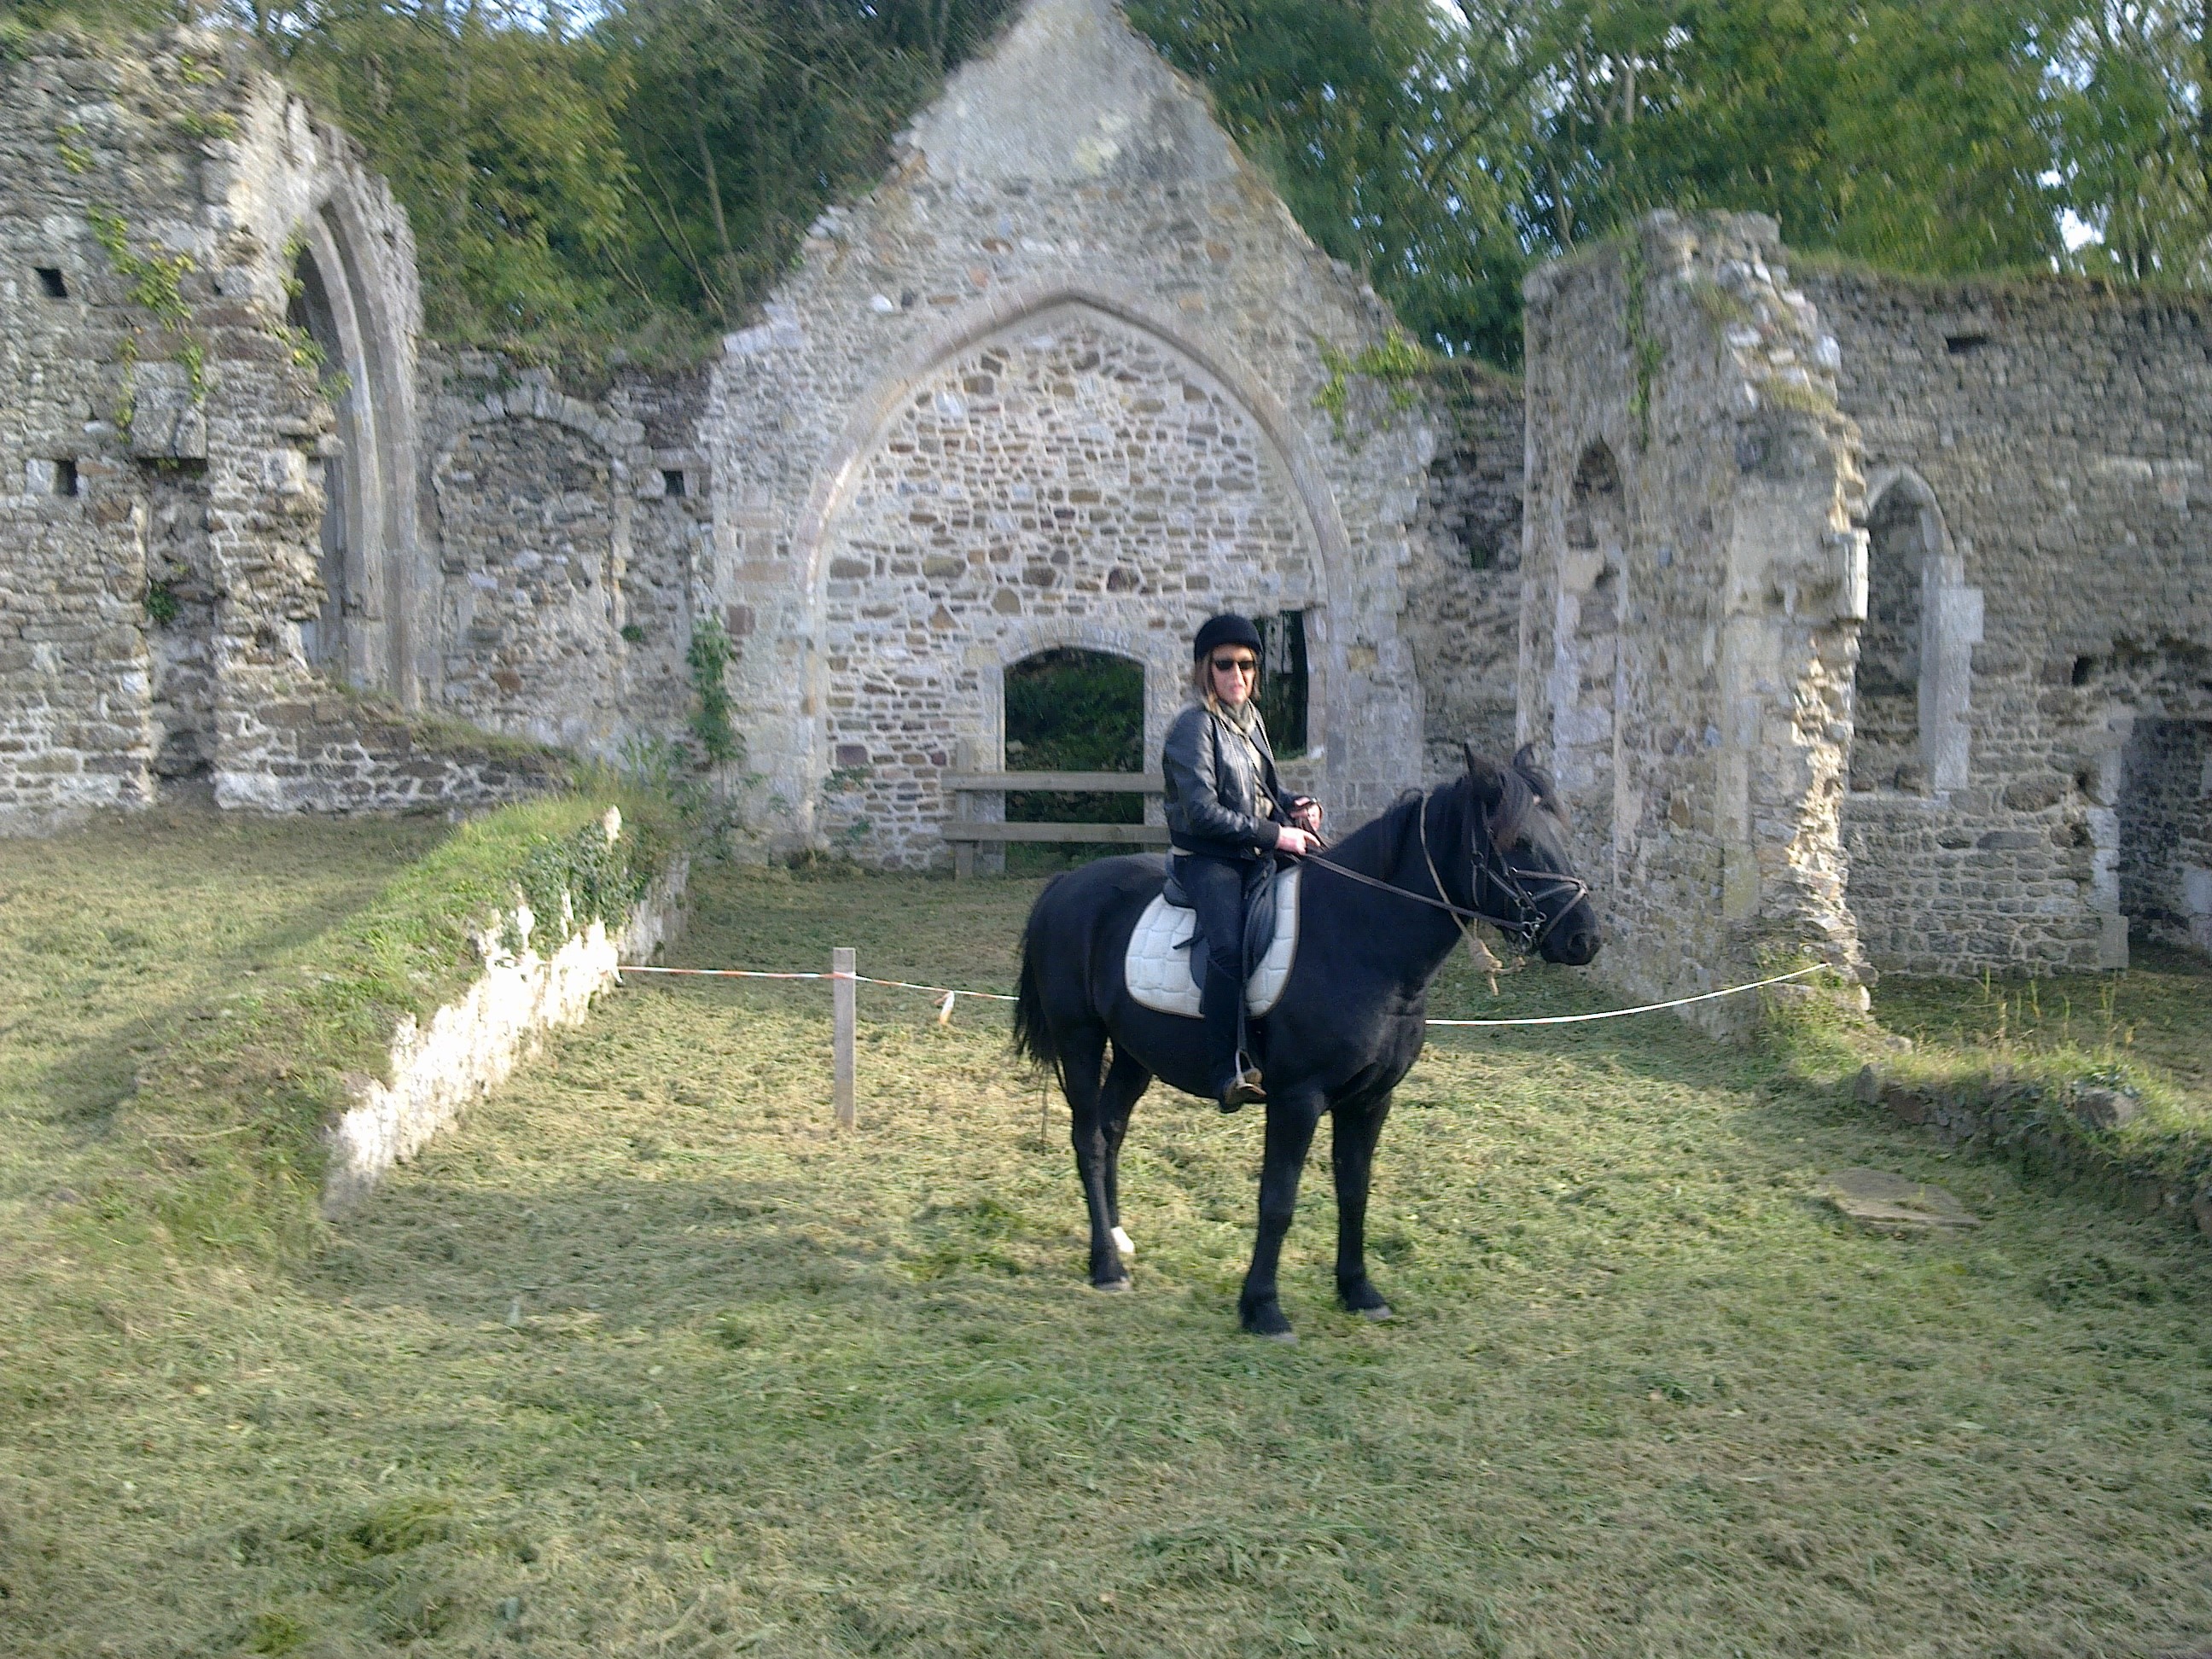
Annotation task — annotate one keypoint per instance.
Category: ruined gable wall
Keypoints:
(1067, 187)
(2059, 431)
(1462, 615)
(1691, 586)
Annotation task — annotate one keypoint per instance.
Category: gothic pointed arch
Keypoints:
(1057, 463)
(345, 298)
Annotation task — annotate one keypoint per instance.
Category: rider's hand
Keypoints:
(1305, 812)
(1290, 840)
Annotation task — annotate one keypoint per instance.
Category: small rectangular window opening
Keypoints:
(65, 477)
(1960, 344)
(50, 283)
(671, 480)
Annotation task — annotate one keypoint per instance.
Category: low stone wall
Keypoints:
(2052, 1129)
(473, 1044)
(328, 752)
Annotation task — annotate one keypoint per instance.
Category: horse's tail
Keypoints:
(1033, 1037)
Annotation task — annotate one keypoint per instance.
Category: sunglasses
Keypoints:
(1235, 664)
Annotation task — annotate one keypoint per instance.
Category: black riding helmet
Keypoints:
(1227, 628)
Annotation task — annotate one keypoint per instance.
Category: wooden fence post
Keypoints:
(842, 987)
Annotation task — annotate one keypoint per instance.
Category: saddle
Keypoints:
(1167, 954)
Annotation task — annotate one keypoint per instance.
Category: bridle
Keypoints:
(1528, 928)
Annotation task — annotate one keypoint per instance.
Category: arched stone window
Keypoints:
(1586, 646)
(1916, 648)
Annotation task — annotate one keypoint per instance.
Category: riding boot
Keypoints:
(1221, 1019)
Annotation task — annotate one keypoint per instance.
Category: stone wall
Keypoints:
(1692, 585)
(473, 1043)
(1462, 615)
(2035, 461)
(163, 435)
(229, 553)
(567, 532)
(1052, 383)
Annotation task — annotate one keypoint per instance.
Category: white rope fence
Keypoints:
(1641, 1008)
(846, 979)
(951, 994)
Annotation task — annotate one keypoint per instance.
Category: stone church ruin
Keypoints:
(1857, 615)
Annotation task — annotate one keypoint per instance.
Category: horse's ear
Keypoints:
(1527, 764)
(1483, 775)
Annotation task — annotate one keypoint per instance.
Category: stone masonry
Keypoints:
(1860, 618)
(247, 524)
(1052, 383)
(2036, 458)
(1693, 577)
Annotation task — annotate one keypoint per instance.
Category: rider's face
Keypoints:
(1232, 672)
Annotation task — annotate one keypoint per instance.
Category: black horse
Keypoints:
(1379, 913)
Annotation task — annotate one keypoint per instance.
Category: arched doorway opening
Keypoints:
(1071, 710)
(2164, 812)
(324, 639)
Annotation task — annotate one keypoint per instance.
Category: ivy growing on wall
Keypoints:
(155, 281)
(1398, 363)
(600, 879)
(707, 656)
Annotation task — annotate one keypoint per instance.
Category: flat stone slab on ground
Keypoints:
(1880, 1199)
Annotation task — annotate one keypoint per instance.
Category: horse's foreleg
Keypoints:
(1351, 1151)
(1291, 1122)
(1125, 1081)
(1083, 1054)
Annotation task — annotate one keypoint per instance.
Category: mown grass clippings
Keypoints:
(783, 1389)
(232, 1110)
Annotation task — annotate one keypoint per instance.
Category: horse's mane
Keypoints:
(1525, 791)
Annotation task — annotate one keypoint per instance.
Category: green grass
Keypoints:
(2041, 1040)
(219, 1144)
(646, 1359)
(112, 935)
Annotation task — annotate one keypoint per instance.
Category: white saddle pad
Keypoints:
(1159, 971)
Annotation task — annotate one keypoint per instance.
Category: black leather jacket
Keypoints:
(1213, 788)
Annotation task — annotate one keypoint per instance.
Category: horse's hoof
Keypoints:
(1110, 1286)
(1123, 1243)
(1378, 1313)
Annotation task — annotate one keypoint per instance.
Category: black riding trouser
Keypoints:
(1221, 891)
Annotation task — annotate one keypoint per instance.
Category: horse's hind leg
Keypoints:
(1351, 1150)
(1082, 1057)
(1125, 1081)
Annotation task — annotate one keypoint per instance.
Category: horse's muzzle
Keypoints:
(1573, 946)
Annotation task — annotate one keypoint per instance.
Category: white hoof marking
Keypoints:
(1122, 1243)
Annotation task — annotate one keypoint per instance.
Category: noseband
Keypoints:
(1527, 927)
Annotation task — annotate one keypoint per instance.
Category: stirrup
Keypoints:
(1247, 1090)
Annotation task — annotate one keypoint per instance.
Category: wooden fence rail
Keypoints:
(965, 833)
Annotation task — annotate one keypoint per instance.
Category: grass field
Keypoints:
(646, 1358)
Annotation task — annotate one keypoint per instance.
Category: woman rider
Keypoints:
(1228, 816)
